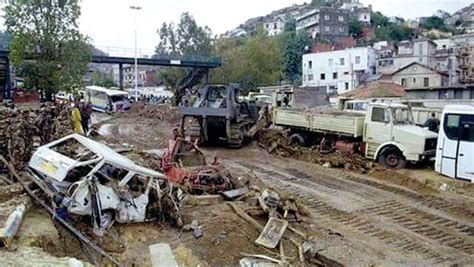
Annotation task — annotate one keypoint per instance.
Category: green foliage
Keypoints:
(386, 30)
(355, 28)
(256, 62)
(185, 39)
(47, 46)
(292, 47)
(103, 79)
(434, 22)
(5, 39)
(322, 3)
(379, 20)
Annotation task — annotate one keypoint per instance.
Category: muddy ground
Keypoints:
(371, 218)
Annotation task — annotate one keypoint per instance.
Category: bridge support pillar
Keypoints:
(121, 76)
(8, 82)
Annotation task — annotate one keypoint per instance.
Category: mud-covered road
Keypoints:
(383, 218)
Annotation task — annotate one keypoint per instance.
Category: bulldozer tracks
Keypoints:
(429, 229)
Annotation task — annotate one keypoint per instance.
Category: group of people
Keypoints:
(81, 117)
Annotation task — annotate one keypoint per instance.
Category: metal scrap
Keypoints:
(272, 233)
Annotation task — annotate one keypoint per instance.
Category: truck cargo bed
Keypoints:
(325, 120)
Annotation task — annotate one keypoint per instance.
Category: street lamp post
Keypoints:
(136, 8)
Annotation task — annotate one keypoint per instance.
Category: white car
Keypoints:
(90, 179)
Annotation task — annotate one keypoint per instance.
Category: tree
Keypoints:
(293, 46)
(255, 62)
(355, 28)
(185, 39)
(5, 39)
(434, 22)
(377, 19)
(47, 47)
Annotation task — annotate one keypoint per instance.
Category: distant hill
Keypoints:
(464, 16)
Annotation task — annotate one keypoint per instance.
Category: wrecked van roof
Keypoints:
(102, 151)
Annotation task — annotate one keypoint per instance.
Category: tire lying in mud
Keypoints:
(392, 158)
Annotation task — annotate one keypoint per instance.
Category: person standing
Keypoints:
(432, 123)
(85, 118)
(76, 118)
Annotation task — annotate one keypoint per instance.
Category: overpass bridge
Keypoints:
(199, 66)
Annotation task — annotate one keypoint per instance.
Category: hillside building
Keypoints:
(324, 23)
(416, 75)
(339, 71)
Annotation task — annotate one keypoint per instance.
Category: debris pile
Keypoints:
(276, 142)
(22, 131)
(154, 111)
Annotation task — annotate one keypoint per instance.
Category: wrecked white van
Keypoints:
(87, 178)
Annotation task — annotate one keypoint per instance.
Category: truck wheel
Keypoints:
(297, 139)
(392, 158)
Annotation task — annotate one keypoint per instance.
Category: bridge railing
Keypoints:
(146, 53)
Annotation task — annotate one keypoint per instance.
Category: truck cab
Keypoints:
(392, 138)
(455, 155)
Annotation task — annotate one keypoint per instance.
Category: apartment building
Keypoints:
(339, 71)
(420, 50)
(324, 23)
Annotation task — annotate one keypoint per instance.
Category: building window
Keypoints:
(472, 94)
(357, 59)
(414, 81)
(458, 94)
(443, 94)
(327, 28)
(310, 64)
(346, 86)
(341, 29)
(326, 17)
(310, 77)
(341, 61)
(267, 26)
(323, 76)
(426, 82)
(275, 26)
(346, 73)
(334, 75)
(304, 77)
(341, 18)
(420, 46)
(330, 62)
(365, 16)
(404, 82)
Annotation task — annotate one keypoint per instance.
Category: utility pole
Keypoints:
(136, 8)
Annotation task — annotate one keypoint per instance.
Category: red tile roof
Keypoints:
(377, 89)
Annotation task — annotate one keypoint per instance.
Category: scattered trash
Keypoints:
(253, 262)
(13, 222)
(272, 233)
(206, 200)
(162, 256)
(232, 194)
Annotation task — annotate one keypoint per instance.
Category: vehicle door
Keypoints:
(448, 144)
(377, 130)
(465, 164)
(378, 126)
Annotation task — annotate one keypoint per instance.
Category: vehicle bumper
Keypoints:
(428, 155)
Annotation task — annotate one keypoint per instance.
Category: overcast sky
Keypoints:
(110, 23)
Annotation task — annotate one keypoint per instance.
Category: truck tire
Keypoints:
(392, 158)
(297, 139)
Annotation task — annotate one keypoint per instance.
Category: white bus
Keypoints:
(107, 100)
(455, 155)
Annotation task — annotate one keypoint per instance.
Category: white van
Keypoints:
(107, 100)
(455, 154)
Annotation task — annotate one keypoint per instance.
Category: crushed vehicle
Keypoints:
(185, 164)
(86, 178)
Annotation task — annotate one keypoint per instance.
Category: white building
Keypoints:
(357, 9)
(341, 70)
(421, 51)
(275, 26)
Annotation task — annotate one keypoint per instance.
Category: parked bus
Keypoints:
(107, 100)
(455, 155)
